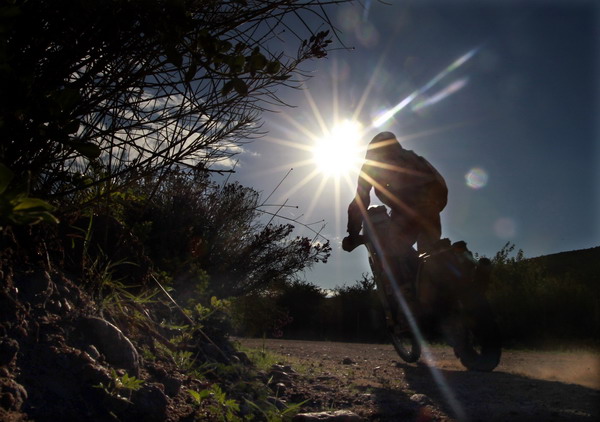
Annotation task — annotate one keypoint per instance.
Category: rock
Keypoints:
(112, 343)
(8, 350)
(335, 416)
(277, 375)
(279, 388)
(172, 385)
(421, 399)
(347, 361)
(12, 394)
(243, 357)
(151, 403)
(34, 287)
(93, 374)
(92, 351)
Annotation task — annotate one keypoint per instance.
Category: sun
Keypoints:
(338, 153)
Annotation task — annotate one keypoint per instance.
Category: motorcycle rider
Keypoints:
(409, 185)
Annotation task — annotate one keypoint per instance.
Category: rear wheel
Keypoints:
(479, 345)
(407, 346)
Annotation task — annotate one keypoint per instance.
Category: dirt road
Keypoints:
(373, 382)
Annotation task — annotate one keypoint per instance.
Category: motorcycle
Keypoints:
(442, 291)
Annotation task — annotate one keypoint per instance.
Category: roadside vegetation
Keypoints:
(549, 302)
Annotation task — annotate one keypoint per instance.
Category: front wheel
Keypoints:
(407, 346)
(479, 345)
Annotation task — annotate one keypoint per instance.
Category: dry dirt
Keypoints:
(372, 381)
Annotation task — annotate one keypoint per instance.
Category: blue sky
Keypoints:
(513, 127)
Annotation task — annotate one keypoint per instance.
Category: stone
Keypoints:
(279, 388)
(112, 343)
(421, 399)
(172, 385)
(8, 350)
(334, 416)
(12, 394)
(151, 403)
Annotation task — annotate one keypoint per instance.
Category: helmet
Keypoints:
(383, 136)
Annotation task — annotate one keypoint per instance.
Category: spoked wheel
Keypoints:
(407, 346)
(479, 346)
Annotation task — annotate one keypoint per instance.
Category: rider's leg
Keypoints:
(431, 230)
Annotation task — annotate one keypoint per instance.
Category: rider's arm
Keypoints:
(358, 206)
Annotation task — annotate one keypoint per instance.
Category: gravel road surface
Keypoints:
(372, 381)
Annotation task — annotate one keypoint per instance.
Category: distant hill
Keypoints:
(583, 264)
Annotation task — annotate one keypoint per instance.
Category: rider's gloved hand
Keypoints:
(350, 242)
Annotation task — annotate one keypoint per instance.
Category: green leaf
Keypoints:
(67, 98)
(224, 46)
(257, 61)
(173, 56)
(30, 204)
(72, 126)
(6, 176)
(240, 86)
(227, 88)
(273, 67)
(87, 149)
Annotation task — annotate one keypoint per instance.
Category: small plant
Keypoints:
(271, 413)
(121, 384)
(183, 360)
(223, 408)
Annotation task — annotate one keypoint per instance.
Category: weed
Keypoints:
(223, 408)
(121, 384)
(271, 413)
(183, 360)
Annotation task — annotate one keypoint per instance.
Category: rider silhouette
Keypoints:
(406, 183)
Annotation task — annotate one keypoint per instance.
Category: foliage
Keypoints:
(258, 314)
(536, 306)
(298, 309)
(125, 384)
(103, 93)
(17, 207)
(210, 237)
(225, 409)
(535, 301)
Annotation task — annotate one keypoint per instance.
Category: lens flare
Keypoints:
(443, 94)
(476, 178)
(381, 120)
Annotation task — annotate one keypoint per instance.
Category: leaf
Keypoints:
(173, 56)
(257, 61)
(224, 46)
(240, 86)
(67, 98)
(87, 149)
(195, 395)
(72, 126)
(273, 67)
(30, 204)
(238, 61)
(6, 176)
(227, 88)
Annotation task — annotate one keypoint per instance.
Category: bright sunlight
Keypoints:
(338, 153)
